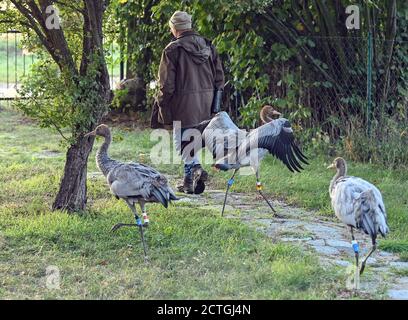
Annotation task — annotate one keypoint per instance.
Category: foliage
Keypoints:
(80, 105)
(71, 108)
(74, 98)
(119, 98)
(387, 143)
(298, 56)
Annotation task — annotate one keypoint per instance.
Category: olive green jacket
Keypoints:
(189, 73)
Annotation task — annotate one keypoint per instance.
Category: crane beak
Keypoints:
(90, 134)
(276, 113)
(332, 166)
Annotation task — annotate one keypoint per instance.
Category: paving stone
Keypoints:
(342, 263)
(318, 242)
(338, 243)
(398, 294)
(323, 231)
(326, 250)
(371, 261)
(403, 280)
(291, 239)
(217, 208)
(399, 265)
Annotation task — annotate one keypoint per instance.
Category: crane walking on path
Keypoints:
(358, 204)
(132, 182)
(233, 148)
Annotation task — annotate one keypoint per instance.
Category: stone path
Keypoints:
(385, 275)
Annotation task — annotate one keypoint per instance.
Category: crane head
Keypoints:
(101, 130)
(338, 163)
(268, 114)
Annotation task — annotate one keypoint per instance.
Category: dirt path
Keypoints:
(330, 240)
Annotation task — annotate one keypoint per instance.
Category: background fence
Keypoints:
(331, 80)
(15, 63)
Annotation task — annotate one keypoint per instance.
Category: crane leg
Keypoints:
(355, 246)
(229, 184)
(144, 213)
(356, 255)
(137, 224)
(373, 248)
(259, 188)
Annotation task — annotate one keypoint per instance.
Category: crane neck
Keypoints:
(102, 157)
(340, 173)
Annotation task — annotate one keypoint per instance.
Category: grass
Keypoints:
(194, 253)
(309, 189)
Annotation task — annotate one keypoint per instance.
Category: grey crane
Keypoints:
(132, 182)
(359, 205)
(233, 148)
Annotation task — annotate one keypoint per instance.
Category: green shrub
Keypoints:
(386, 144)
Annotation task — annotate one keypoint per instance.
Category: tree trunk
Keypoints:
(72, 192)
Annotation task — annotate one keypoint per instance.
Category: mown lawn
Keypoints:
(193, 253)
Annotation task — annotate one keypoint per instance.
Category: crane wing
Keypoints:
(278, 138)
(222, 135)
(139, 180)
(359, 203)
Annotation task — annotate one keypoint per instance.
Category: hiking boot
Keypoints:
(200, 176)
(188, 183)
(200, 187)
(194, 179)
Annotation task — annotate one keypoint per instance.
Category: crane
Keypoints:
(133, 182)
(233, 148)
(359, 205)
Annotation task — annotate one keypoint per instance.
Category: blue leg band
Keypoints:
(138, 221)
(230, 182)
(355, 246)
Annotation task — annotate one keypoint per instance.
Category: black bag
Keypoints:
(216, 104)
(154, 118)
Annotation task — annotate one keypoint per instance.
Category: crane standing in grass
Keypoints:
(358, 204)
(233, 148)
(132, 182)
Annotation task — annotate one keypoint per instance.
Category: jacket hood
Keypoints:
(196, 46)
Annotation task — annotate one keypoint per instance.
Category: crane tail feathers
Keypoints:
(172, 196)
(156, 192)
(369, 215)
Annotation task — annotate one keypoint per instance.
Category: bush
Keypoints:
(386, 144)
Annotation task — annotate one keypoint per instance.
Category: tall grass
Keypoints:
(386, 144)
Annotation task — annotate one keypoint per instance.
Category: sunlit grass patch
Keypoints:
(194, 253)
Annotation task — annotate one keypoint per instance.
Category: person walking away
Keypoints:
(191, 81)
